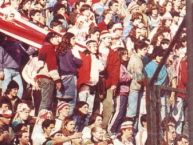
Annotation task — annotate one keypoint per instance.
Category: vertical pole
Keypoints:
(189, 22)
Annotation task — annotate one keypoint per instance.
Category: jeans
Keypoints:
(69, 92)
(47, 89)
(12, 74)
(133, 103)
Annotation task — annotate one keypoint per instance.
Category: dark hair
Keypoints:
(55, 23)
(12, 85)
(49, 36)
(93, 118)
(46, 123)
(85, 7)
(33, 12)
(57, 7)
(78, 106)
(65, 44)
(93, 29)
(166, 122)
(143, 119)
(112, 2)
(165, 41)
(18, 135)
(140, 45)
(121, 51)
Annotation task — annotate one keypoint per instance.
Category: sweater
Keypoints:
(48, 55)
(10, 55)
(68, 64)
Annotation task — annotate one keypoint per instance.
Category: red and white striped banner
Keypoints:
(21, 29)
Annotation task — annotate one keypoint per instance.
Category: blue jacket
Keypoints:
(150, 69)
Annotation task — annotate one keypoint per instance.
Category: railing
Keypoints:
(153, 111)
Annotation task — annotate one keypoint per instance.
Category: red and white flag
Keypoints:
(18, 27)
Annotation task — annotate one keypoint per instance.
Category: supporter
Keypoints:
(179, 107)
(141, 136)
(25, 7)
(154, 17)
(10, 96)
(69, 132)
(38, 130)
(10, 64)
(181, 140)
(94, 33)
(75, 10)
(103, 25)
(98, 137)
(22, 115)
(120, 99)
(165, 44)
(80, 115)
(60, 9)
(36, 17)
(88, 74)
(22, 138)
(68, 70)
(135, 68)
(114, 7)
(117, 31)
(80, 28)
(95, 120)
(47, 127)
(169, 133)
(4, 137)
(126, 134)
(5, 115)
(168, 5)
(110, 75)
(56, 26)
(48, 75)
(85, 10)
(162, 78)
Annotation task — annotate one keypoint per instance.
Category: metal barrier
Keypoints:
(154, 94)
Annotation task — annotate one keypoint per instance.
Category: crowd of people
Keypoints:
(86, 84)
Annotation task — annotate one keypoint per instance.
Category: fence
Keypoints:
(154, 94)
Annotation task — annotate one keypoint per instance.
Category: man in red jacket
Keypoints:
(48, 76)
(112, 64)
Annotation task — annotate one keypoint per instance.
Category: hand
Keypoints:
(76, 135)
(171, 100)
(113, 87)
(103, 143)
(36, 86)
(1, 75)
(58, 85)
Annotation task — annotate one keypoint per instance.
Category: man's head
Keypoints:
(23, 137)
(127, 129)
(63, 109)
(47, 126)
(12, 88)
(169, 128)
(141, 48)
(105, 38)
(97, 133)
(114, 6)
(92, 46)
